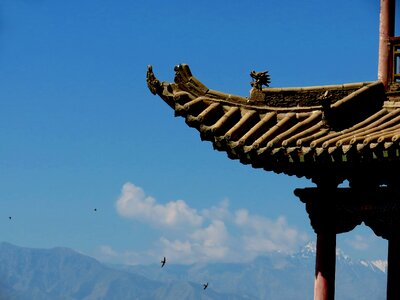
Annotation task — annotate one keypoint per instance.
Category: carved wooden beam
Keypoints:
(344, 208)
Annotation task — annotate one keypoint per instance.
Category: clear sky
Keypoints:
(79, 129)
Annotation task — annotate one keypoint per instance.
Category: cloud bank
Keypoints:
(213, 234)
(133, 203)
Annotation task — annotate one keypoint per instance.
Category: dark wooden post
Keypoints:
(393, 272)
(332, 211)
(321, 210)
(386, 31)
(324, 284)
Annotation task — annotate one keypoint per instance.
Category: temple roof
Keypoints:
(308, 131)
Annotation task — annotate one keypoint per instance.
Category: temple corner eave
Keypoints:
(307, 131)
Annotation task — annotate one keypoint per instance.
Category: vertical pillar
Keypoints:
(326, 221)
(331, 211)
(393, 272)
(386, 30)
(324, 284)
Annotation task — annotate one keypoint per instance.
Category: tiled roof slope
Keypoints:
(297, 131)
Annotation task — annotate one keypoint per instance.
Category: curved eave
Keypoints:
(296, 140)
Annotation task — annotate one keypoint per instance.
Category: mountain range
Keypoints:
(62, 273)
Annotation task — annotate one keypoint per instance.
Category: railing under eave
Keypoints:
(395, 49)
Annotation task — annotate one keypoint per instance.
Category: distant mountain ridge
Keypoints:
(279, 276)
(61, 273)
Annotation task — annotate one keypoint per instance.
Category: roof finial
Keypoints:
(260, 79)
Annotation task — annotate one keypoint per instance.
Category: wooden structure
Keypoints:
(325, 133)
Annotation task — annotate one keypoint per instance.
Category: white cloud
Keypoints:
(220, 211)
(260, 234)
(359, 242)
(107, 250)
(177, 251)
(205, 244)
(212, 240)
(214, 234)
(241, 217)
(106, 253)
(133, 203)
(363, 242)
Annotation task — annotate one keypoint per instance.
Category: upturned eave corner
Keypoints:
(182, 89)
(297, 131)
(153, 83)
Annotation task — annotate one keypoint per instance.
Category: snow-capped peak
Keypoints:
(309, 249)
(380, 264)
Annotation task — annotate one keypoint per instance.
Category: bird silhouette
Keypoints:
(205, 285)
(163, 262)
(95, 209)
(9, 218)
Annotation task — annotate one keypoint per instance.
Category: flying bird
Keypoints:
(205, 285)
(163, 262)
(9, 218)
(95, 209)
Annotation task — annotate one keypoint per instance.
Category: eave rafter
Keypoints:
(297, 131)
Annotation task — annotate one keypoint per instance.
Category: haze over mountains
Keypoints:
(61, 273)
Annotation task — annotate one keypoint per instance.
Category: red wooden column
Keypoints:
(393, 272)
(320, 206)
(386, 31)
(330, 212)
(324, 284)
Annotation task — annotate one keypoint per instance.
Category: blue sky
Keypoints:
(79, 130)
